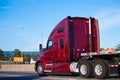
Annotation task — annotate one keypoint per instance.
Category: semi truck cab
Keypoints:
(73, 46)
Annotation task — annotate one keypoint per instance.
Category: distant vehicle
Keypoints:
(32, 61)
(73, 47)
(18, 60)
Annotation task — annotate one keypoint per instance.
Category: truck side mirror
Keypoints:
(40, 47)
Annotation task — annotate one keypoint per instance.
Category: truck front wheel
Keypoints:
(101, 69)
(40, 69)
(85, 69)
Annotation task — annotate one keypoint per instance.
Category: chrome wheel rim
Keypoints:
(98, 69)
(83, 69)
(40, 69)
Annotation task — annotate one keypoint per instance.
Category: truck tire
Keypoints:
(40, 69)
(85, 69)
(101, 69)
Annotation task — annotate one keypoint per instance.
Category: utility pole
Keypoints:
(22, 28)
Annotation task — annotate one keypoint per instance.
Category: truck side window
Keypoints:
(60, 30)
(61, 43)
(49, 44)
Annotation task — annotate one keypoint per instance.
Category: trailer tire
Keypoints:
(40, 69)
(85, 69)
(101, 69)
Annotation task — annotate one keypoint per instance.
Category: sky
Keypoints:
(24, 24)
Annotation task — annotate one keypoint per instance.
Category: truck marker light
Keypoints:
(113, 65)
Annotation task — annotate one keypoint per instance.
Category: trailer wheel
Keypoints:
(101, 69)
(40, 69)
(85, 69)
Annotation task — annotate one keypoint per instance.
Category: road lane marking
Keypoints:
(9, 75)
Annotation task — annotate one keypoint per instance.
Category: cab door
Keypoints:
(49, 56)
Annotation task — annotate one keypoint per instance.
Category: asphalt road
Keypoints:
(33, 76)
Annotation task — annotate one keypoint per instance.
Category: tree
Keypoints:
(7, 57)
(33, 56)
(117, 48)
(17, 53)
(1, 55)
(27, 57)
(102, 49)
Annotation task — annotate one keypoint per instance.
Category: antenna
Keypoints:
(42, 38)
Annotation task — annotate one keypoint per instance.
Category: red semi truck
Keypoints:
(73, 47)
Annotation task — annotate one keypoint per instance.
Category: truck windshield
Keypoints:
(49, 44)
